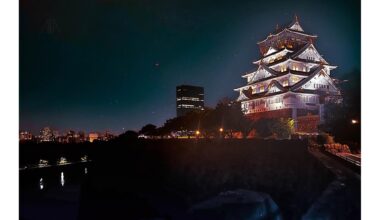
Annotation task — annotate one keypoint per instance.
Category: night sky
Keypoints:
(97, 65)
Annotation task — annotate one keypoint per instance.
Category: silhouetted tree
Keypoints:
(338, 117)
(274, 127)
(226, 115)
(148, 129)
(128, 135)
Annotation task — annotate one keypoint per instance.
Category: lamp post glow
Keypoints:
(197, 133)
(354, 121)
(221, 132)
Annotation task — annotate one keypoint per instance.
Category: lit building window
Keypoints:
(285, 83)
(261, 88)
(294, 79)
(189, 98)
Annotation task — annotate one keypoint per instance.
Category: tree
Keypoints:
(226, 115)
(232, 118)
(338, 117)
(128, 135)
(280, 128)
(148, 130)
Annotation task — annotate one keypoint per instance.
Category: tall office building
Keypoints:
(189, 98)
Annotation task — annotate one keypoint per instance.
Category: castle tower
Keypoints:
(292, 80)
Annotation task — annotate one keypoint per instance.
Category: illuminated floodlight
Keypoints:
(221, 129)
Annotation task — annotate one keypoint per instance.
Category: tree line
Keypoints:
(225, 120)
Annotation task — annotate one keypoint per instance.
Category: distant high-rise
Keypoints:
(189, 98)
(46, 135)
(25, 136)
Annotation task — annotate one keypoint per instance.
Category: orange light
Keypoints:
(221, 129)
(197, 132)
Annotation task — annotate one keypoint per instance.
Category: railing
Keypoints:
(347, 158)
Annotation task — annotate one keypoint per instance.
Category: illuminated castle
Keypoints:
(292, 80)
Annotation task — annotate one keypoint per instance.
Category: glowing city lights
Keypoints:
(354, 121)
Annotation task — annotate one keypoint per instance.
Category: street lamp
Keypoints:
(221, 132)
(197, 132)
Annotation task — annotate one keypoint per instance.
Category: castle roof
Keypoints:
(293, 55)
(294, 88)
(282, 57)
(302, 82)
(293, 27)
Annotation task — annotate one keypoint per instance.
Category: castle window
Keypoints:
(285, 83)
(294, 79)
(310, 58)
(261, 88)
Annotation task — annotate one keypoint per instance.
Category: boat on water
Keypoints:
(62, 161)
(23, 168)
(84, 158)
(43, 163)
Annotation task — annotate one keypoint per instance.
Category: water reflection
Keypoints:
(41, 184)
(55, 178)
(62, 179)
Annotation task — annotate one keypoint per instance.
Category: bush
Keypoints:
(325, 138)
(278, 128)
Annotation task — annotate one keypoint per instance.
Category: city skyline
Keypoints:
(123, 74)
